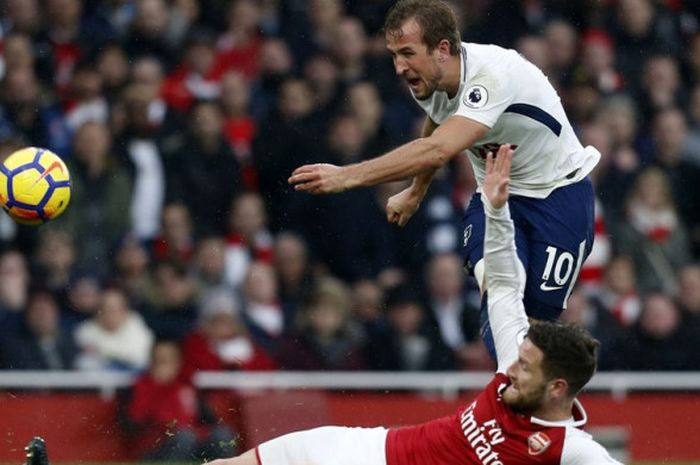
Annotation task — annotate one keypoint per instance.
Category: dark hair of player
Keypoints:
(435, 18)
(570, 352)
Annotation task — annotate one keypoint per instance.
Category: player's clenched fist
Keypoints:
(401, 207)
(320, 178)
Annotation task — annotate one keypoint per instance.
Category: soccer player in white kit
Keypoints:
(528, 413)
(478, 97)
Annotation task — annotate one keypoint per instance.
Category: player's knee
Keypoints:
(479, 274)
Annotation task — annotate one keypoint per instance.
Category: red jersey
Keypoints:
(487, 432)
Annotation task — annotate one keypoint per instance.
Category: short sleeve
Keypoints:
(581, 449)
(486, 97)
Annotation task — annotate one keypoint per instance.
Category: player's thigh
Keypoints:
(473, 230)
(560, 232)
(328, 445)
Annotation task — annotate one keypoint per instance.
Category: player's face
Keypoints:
(412, 61)
(527, 391)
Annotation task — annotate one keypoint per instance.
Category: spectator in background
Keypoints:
(669, 133)
(153, 34)
(262, 311)
(197, 76)
(367, 301)
(25, 115)
(407, 344)
(140, 146)
(324, 337)
(598, 61)
(614, 133)
(55, 260)
(661, 86)
(562, 41)
(100, 197)
(209, 267)
(66, 39)
(116, 338)
(276, 65)
(689, 291)
(453, 314)
(14, 289)
(324, 17)
(83, 299)
(22, 16)
(659, 341)
(652, 233)
(203, 171)
(170, 307)
(619, 291)
(294, 274)
(168, 420)
(365, 105)
(176, 241)
(161, 120)
(39, 343)
(691, 145)
(131, 270)
(248, 238)
(322, 75)
(112, 64)
(84, 100)
(239, 46)
(17, 54)
(597, 320)
(239, 125)
(291, 122)
(220, 341)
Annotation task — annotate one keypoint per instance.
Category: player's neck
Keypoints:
(452, 76)
(555, 411)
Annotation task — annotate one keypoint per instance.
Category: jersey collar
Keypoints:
(578, 419)
(464, 64)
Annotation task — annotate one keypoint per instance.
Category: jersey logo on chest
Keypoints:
(537, 443)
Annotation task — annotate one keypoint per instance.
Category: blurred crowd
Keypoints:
(181, 120)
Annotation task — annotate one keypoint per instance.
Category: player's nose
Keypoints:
(400, 66)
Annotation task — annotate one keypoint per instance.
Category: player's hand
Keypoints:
(401, 207)
(320, 178)
(497, 177)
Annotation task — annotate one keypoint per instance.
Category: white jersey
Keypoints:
(502, 90)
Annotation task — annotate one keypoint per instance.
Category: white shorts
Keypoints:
(327, 445)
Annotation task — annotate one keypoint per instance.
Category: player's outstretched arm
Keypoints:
(421, 155)
(504, 272)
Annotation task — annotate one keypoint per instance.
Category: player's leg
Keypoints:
(561, 238)
(328, 445)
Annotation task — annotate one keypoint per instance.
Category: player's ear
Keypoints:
(558, 388)
(444, 48)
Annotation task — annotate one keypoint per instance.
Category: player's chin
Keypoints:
(511, 395)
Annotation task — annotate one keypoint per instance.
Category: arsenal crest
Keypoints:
(537, 443)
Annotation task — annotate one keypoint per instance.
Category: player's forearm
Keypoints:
(421, 183)
(506, 280)
(412, 159)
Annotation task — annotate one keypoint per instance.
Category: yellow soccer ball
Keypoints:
(34, 185)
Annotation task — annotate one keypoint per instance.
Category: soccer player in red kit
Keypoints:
(528, 413)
